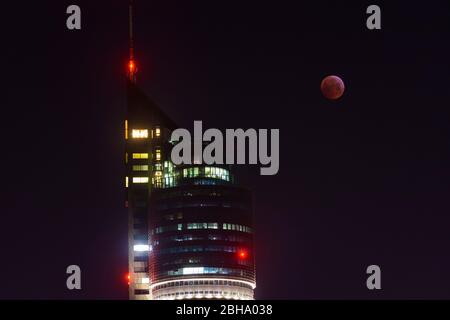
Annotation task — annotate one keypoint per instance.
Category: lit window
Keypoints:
(126, 157)
(158, 173)
(139, 133)
(218, 173)
(140, 155)
(157, 132)
(197, 270)
(141, 247)
(126, 182)
(158, 155)
(126, 129)
(145, 280)
(140, 179)
(140, 168)
(202, 225)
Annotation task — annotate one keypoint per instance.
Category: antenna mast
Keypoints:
(132, 69)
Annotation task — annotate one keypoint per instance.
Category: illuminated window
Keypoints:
(157, 132)
(219, 173)
(140, 179)
(206, 270)
(126, 129)
(140, 155)
(158, 173)
(139, 133)
(145, 280)
(207, 172)
(203, 225)
(141, 247)
(191, 172)
(157, 182)
(198, 248)
(126, 182)
(197, 270)
(158, 155)
(140, 168)
(126, 157)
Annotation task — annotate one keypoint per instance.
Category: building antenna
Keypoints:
(132, 69)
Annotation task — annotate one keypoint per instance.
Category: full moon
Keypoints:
(332, 87)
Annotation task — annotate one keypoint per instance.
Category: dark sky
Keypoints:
(364, 180)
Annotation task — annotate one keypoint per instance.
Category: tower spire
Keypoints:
(132, 69)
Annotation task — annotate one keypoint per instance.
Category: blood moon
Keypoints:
(332, 87)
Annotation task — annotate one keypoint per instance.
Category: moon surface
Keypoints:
(332, 87)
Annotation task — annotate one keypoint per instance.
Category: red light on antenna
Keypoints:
(242, 254)
(128, 278)
(132, 70)
(131, 66)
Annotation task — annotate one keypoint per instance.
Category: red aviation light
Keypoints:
(132, 70)
(242, 254)
(128, 278)
(131, 67)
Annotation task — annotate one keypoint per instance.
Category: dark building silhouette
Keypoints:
(190, 226)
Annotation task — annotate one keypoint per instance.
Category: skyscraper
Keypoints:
(190, 226)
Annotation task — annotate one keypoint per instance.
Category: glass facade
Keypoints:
(219, 246)
(207, 172)
(202, 225)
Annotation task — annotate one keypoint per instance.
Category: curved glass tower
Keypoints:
(202, 237)
(190, 227)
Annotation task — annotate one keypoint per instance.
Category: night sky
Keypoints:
(363, 180)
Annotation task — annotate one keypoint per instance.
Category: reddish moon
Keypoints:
(332, 87)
